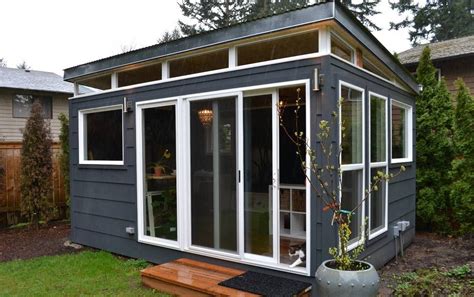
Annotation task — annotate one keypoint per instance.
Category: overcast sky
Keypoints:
(52, 35)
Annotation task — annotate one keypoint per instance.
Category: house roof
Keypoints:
(442, 50)
(322, 10)
(34, 80)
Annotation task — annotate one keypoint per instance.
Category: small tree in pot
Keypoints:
(339, 276)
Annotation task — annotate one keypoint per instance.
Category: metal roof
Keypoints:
(14, 78)
(440, 50)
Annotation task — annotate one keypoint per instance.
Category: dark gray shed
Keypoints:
(179, 152)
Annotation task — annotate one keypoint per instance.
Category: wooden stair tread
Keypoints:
(186, 274)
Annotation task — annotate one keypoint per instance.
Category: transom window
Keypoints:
(352, 156)
(378, 131)
(22, 105)
(341, 49)
(101, 136)
(289, 46)
(401, 132)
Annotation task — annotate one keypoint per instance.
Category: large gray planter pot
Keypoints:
(334, 282)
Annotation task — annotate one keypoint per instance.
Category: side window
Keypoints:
(378, 131)
(352, 156)
(401, 132)
(101, 136)
(22, 104)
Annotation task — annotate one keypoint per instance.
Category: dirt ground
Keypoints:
(426, 251)
(24, 243)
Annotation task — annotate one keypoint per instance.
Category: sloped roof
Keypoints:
(13, 78)
(321, 11)
(440, 50)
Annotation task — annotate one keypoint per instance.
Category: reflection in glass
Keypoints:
(377, 202)
(213, 173)
(399, 146)
(258, 175)
(340, 49)
(378, 128)
(289, 46)
(351, 197)
(160, 178)
(103, 135)
(351, 117)
(292, 178)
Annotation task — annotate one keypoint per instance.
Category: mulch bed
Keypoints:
(25, 243)
(428, 250)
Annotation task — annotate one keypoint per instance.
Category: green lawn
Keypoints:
(82, 274)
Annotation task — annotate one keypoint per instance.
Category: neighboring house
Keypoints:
(452, 58)
(18, 90)
(180, 154)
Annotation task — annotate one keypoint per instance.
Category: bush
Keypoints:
(434, 125)
(462, 189)
(36, 169)
(64, 155)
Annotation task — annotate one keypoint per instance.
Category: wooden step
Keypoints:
(186, 277)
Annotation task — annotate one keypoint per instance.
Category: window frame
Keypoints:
(409, 134)
(373, 165)
(343, 41)
(81, 135)
(357, 166)
(33, 97)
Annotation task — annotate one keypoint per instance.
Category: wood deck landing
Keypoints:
(186, 277)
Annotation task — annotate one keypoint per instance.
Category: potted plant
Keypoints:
(344, 274)
(159, 168)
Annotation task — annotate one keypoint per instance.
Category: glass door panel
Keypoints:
(258, 175)
(292, 179)
(213, 173)
(160, 167)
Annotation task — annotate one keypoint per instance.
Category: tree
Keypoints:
(36, 168)
(201, 16)
(435, 20)
(125, 48)
(64, 155)
(363, 10)
(170, 36)
(210, 15)
(434, 124)
(23, 65)
(462, 190)
(3, 62)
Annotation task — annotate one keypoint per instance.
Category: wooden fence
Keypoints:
(10, 196)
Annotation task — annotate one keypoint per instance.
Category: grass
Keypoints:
(458, 281)
(83, 274)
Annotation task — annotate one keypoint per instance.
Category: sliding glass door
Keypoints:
(213, 174)
(259, 174)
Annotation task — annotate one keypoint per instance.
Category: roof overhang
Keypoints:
(296, 18)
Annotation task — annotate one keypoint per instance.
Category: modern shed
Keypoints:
(179, 152)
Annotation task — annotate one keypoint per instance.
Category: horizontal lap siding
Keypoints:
(402, 188)
(104, 197)
(11, 128)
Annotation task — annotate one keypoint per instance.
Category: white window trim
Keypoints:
(384, 164)
(409, 134)
(81, 124)
(353, 167)
(183, 243)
